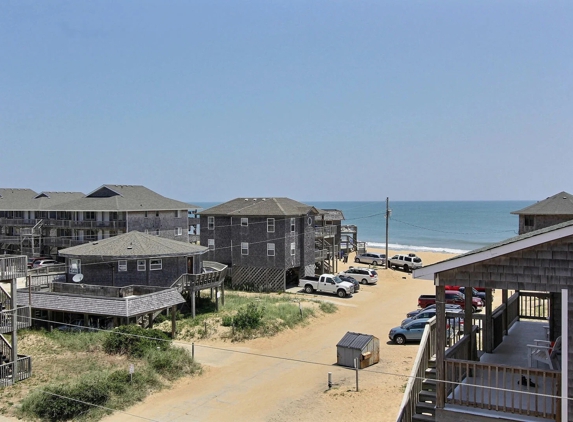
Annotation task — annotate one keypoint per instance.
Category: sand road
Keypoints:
(284, 378)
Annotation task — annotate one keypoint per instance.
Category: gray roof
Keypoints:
(134, 245)
(355, 340)
(261, 207)
(122, 198)
(99, 305)
(559, 204)
(105, 198)
(332, 214)
(16, 199)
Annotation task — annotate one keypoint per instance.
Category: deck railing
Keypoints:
(534, 305)
(325, 231)
(500, 388)
(24, 371)
(216, 275)
(22, 317)
(13, 267)
(426, 350)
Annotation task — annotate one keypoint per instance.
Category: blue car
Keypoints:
(411, 331)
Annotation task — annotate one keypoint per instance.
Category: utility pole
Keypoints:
(387, 218)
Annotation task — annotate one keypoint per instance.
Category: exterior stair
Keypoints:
(426, 405)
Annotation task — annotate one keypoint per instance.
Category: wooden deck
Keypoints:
(494, 384)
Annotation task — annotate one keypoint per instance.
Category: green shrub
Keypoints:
(249, 317)
(172, 363)
(54, 404)
(132, 340)
(227, 321)
(327, 307)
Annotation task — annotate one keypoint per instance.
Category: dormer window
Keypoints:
(529, 221)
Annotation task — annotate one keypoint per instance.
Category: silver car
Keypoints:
(371, 258)
(362, 275)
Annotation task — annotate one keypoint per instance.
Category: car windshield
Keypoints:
(336, 279)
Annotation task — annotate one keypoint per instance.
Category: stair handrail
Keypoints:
(426, 350)
(5, 347)
(5, 298)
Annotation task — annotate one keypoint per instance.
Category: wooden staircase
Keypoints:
(426, 404)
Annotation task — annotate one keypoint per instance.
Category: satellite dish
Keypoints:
(77, 278)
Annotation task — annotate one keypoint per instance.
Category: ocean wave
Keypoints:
(398, 247)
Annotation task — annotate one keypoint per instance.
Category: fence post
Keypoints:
(356, 369)
(193, 351)
(329, 380)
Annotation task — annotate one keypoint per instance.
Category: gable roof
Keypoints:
(559, 204)
(524, 241)
(134, 245)
(262, 207)
(122, 198)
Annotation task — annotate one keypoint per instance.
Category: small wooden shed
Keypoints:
(364, 347)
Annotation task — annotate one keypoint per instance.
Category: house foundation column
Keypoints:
(173, 322)
(488, 323)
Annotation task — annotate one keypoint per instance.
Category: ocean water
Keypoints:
(434, 226)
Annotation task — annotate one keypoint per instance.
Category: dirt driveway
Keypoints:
(284, 378)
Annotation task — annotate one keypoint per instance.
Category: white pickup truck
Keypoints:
(326, 283)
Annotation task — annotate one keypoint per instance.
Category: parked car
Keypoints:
(452, 296)
(350, 280)
(449, 308)
(475, 292)
(429, 313)
(371, 258)
(45, 263)
(362, 275)
(407, 262)
(410, 332)
(76, 326)
(31, 261)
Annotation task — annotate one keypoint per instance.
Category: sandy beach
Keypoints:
(284, 378)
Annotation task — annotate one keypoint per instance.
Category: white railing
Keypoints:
(13, 267)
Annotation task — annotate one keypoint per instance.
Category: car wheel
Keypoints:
(399, 339)
(406, 268)
(474, 309)
(341, 293)
(308, 288)
(357, 260)
(375, 263)
(364, 281)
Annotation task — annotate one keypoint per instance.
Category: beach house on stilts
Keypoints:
(270, 242)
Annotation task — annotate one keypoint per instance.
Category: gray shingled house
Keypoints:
(42, 223)
(126, 278)
(270, 241)
(133, 258)
(553, 210)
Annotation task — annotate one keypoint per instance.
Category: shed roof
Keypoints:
(134, 245)
(558, 204)
(527, 240)
(262, 207)
(355, 340)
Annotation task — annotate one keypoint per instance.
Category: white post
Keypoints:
(564, 354)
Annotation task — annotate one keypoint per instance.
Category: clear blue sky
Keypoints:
(314, 100)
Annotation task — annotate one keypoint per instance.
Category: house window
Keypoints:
(292, 248)
(113, 216)
(75, 266)
(270, 225)
(244, 222)
(529, 221)
(156, 232)
(310, 221)
(270, 249)
(244, 248)
(157, 213)
(292, 225)
(211, 223)
(89, 215)
(155, 264)
(177, 214)
(145, 214)
(122, 266)
(178, 231)
(141, 265)
(211, 243)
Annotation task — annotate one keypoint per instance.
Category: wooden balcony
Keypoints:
(325, 231)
